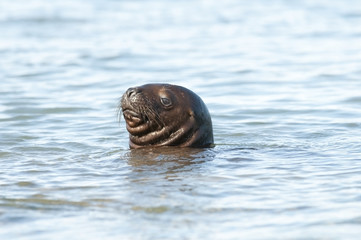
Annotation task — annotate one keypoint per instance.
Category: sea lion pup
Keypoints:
(166, 115)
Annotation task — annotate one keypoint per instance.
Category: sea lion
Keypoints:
(166, 115)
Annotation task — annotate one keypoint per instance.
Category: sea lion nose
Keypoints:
(132, 91)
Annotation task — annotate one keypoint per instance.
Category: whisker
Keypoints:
(119, 110)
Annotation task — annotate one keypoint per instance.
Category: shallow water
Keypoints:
(282, 82)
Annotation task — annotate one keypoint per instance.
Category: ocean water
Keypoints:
(281, 79)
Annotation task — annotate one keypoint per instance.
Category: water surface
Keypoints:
(282, 82)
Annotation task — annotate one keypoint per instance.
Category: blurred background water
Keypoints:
(282, 80)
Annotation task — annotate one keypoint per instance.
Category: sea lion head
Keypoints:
(166, 115)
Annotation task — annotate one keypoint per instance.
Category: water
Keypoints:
(282, 82)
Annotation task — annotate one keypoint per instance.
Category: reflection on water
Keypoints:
(281, 80)
(167, 160)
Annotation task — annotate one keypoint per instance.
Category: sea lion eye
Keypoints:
(165, 101)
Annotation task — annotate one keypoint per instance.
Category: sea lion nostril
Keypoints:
(132, 91)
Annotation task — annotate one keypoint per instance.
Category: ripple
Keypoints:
(353, 100)
(43, 20)
(34, 74)
(26, 184)
(41, 203)
(44, 110)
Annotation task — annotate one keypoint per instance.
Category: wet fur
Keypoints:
(192, 128)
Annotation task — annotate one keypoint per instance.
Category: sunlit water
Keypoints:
(282, 80)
